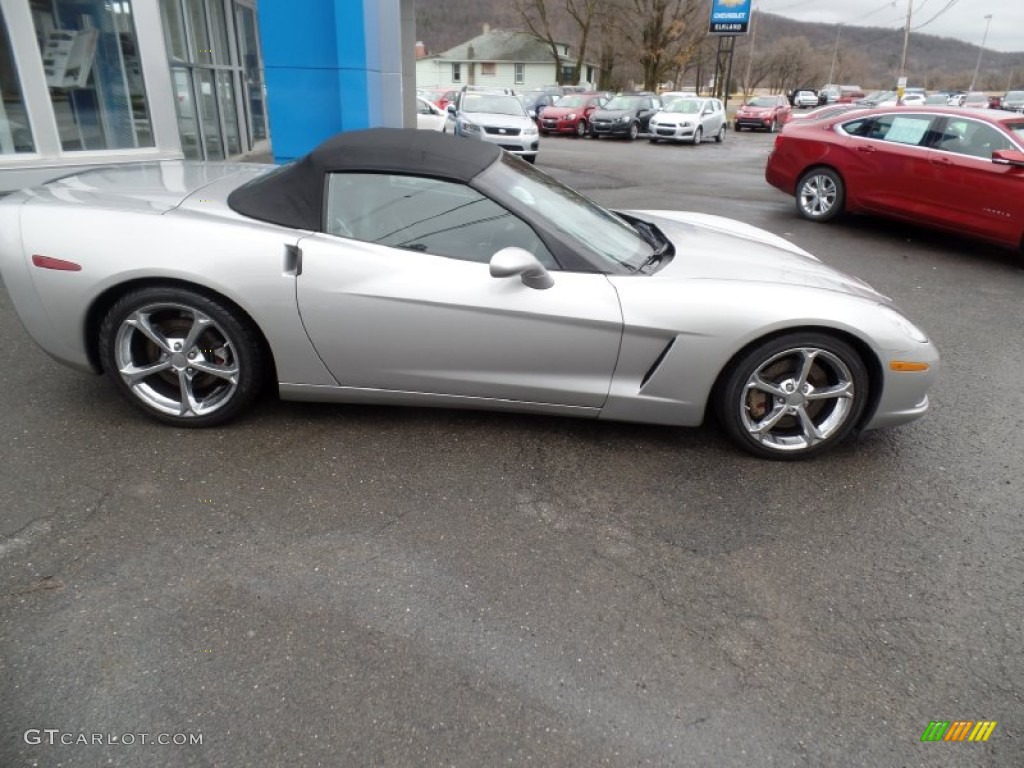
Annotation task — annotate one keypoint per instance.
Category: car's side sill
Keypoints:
(330, 394)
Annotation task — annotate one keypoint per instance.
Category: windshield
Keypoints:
(764, 101)
(572, 101)
(564, 210)
(1014, 96)
(625, 102)
(1017, 130)
(685, 106)
(492, 103)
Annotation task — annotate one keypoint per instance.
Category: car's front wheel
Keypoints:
(721, 135)
(774, 126)
(184, 358)
(698, 136)
(581, 128)
(634, 131)
(820, 195)
(793, 396)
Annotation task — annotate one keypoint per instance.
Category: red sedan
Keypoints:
(570, 114)
(952, 169)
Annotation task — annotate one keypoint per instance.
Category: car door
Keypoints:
(397, 295)
(967, 191)
(885, 160)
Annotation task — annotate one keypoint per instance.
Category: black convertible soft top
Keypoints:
(292, 196)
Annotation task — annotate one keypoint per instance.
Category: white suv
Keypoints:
(495, 116)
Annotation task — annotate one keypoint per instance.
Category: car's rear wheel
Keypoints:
(183, 358)
(820, 195)
(698, 136)
(634, 131)
(774, 126)
(793, 396)
(581, 128)
(721, 135)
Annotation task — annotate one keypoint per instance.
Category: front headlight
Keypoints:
(622, 120)
(572, 116)
(904, 324)
(531, 131)
(687, 124)
(467, 127)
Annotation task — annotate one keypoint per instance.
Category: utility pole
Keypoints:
(750, 58)
(906, 39)
(835, 56)
(977, 66)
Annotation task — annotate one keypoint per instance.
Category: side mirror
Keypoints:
(509, 262)
(1008, 157)
(533, 113)
(451, 109)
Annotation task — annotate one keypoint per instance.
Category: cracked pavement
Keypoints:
(342, 585)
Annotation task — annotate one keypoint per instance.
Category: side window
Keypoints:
(896, 129)
(967, 137)
(423, 108)
(442, 218)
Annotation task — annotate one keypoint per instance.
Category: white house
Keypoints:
(500, 57)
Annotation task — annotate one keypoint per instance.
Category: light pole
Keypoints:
(906, 39)
(977, 67)
(750, 58)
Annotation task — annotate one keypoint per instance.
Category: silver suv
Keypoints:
(496, 116)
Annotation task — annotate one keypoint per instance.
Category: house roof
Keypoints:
(501, 45)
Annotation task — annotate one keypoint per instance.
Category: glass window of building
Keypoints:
(217, 75)
(92, 68)
(15, 132)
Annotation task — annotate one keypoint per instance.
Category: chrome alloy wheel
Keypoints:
(797, 399)
(176, 360)
(818, 195)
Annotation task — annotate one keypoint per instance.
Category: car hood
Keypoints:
(498, 120)
(675, 118)
(755, 110)
(716, 248)
(611, 114)
(561, 111)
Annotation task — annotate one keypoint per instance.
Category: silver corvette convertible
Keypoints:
(408, 267)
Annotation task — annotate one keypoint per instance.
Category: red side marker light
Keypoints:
(48, 262)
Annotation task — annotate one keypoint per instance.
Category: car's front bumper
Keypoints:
(673, 132)
(517, 144)
(610, 129)
(559, 125)
(754, 122)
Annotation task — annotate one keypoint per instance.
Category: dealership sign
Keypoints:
(730, 17)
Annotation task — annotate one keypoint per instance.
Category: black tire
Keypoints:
(698, 136)
(653, 140)
(531, 159)
(594, 135)
(581, 129)
(738, 128)
(543, 132)
(820, 195)
(820, 408)
(721, 135)
(211, 382)
(634, 131)
(774, 127)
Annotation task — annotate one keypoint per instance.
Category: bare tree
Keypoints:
(540, 18)
(663, 33)
(584, 13)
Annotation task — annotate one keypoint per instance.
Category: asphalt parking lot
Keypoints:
(345, 586)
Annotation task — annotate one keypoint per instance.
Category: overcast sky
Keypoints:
(964, 19)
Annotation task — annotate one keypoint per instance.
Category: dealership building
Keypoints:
(95, 82)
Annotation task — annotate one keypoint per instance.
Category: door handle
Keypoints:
(865, 148)
(940, 161)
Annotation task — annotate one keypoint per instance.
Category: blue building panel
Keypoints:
(323, 62)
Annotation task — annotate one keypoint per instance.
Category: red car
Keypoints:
(952, 169)
(441, 97)
(570, 114)
(764, 112)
